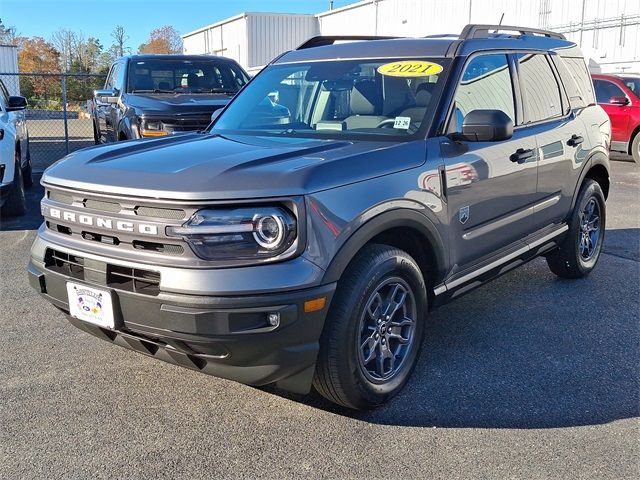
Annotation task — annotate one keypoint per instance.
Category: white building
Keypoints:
(9, 64)
(608, 31)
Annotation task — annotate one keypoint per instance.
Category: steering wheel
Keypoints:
(386, 122)
(389, 122)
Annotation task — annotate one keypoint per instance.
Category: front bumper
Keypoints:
(225, 336)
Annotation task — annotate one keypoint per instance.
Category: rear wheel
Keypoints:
(16, 203)
(635, 148)
(580, 250)
(374, 329)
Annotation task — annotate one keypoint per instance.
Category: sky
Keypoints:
(97, 18)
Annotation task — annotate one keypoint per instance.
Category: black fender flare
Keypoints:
(380, 223)
(598, 157)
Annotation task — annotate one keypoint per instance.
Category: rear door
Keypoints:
(489, 191)
(560, 136)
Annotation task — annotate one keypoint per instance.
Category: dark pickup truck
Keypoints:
(158, 95)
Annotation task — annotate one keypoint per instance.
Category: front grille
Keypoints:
(170, 213)
(136, 280)
(64, 263)
(60, 197)
(102, 205)
(133, 280)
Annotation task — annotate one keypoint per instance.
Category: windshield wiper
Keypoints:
(215, 90)
(155, 90)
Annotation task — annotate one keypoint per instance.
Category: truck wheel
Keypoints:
(16, 203)
(374, 329)
(635, 148)
(578, 253)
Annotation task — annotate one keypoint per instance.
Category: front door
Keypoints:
(491, 186)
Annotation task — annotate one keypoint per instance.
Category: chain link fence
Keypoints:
(59, 111)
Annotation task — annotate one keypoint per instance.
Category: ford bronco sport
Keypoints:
(351, 187)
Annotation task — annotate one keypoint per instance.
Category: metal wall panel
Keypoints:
(271, 34)
(9, 64)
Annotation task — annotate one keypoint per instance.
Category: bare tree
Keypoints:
(8, 35)
(65, 41)
(120, 38)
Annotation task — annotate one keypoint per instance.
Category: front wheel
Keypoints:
(374, 329)
(635, 148)
(578, 253)
(16, 202)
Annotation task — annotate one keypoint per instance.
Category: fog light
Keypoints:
(274, 319)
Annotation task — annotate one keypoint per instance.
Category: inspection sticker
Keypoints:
(402, 123)
(410, 68)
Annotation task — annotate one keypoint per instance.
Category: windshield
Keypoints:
(337, 99)
(184, 76)
(632, 84)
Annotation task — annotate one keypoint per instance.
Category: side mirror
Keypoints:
(16, 103)
(619, 100)
(106, 96)
(487, 126)
(216, 114)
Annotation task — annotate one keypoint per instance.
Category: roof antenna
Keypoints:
(500, 23)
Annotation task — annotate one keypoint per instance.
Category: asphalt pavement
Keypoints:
(528, 377)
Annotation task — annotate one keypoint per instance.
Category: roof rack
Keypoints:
(482, 31)
(330, 40)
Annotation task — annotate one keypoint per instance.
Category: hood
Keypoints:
(172, 104)
(203, 166)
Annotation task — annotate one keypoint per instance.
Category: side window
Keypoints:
(605, 90)
(118, 77)
(115, 78)
(4, 96)
(577, 67)
(485, 85)
(541, 92)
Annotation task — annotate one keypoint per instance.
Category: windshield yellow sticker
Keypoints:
(410, 68)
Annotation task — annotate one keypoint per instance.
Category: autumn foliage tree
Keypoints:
(162, 40)
(35, 54)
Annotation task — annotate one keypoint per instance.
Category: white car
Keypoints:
(15, 160)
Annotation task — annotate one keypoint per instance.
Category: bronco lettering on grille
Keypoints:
(100, 222)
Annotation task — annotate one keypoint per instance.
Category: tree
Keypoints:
(119, 49)
(7, 34)
(37, 55)
(163, 40)
(65, 42)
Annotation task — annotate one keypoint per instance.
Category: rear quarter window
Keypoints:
(576, 79)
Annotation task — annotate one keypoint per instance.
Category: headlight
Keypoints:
(153, 128)
(239, 234)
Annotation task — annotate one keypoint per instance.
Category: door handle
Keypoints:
(575, 140)
(521, 155)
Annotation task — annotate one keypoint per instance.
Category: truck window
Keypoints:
(485, 85)
(540, 89)
(605, 90)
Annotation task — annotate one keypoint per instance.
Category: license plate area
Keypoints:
(93, 305)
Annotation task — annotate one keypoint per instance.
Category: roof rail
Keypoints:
(330, 40)
(482, 31)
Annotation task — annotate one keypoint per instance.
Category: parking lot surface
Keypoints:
(528, 377)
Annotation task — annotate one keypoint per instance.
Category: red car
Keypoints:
(619, 95)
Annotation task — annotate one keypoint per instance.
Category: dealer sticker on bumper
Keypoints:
(90, 304)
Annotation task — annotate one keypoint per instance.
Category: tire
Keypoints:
(351, 334)
(635, 148)
(27, 172)
(16, 203)
(578, 253)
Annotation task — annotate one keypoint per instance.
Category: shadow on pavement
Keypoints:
(526, 351)
(32, 219)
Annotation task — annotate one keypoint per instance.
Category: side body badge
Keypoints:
(463, 214)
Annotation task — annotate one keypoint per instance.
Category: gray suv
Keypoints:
(353, 186)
